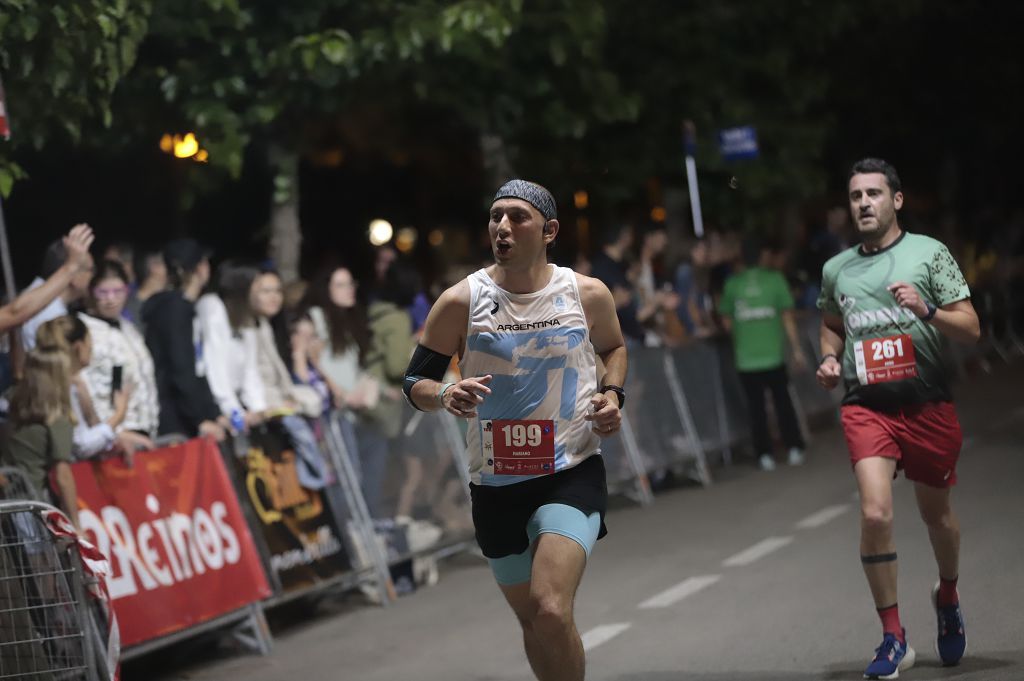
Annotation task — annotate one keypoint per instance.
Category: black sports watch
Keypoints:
(619, 392)
(931, 312)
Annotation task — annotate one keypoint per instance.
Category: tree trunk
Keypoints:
(285, 229)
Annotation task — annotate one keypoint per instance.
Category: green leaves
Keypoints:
(9, 174)
(61, 63)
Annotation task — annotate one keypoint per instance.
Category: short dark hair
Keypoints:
(615, 232)
(877, 165)
(140, 262)
(109, 269)
(53, 258)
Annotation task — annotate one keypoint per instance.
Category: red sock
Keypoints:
(947, 592)
(890, 617)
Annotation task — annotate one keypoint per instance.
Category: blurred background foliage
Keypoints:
(316, 116)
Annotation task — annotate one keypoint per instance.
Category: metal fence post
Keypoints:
(686, 418)
(357, 507)
(721, 413)
(629, 445)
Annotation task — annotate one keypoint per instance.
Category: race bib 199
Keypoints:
(519, 447)
(881, 360)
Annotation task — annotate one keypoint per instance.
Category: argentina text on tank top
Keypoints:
(537, 348)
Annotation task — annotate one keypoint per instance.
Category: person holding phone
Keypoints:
(93, 436)
(120, 357)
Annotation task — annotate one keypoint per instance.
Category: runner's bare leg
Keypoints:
(874, 480)
(943, 528)
(544, 606)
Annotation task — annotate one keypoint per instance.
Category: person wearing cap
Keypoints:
(187, 406)
(528, 334)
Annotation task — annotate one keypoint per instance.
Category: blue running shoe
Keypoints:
(952, 641)
(890, 658)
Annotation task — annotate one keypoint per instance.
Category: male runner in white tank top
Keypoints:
(527, 334)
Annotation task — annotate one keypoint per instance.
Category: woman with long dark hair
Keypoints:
(341, 325)
(227, 327)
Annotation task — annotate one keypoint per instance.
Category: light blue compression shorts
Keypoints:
(548, 519)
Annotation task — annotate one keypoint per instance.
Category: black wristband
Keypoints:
(931, 312)
(619, 392)
(826, 356)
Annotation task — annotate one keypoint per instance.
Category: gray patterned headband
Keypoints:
(531, 192)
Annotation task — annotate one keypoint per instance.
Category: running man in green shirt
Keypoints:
(756, 308)
(886, 306)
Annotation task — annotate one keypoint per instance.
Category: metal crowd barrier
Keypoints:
(15, 485)
(384, 529)
(45, 630)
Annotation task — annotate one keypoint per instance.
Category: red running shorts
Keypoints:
(924, 440)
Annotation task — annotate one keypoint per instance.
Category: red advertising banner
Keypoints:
(180, 549)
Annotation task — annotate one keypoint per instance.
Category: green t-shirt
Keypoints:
(754, 299)
(35, 449)
(877, 367)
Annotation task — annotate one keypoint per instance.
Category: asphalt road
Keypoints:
(754, 579)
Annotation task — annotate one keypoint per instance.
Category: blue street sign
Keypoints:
(738, 143)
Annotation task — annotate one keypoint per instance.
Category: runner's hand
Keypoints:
(77, 244)
(829, 373)
(462, 398)
(907, 296)
(605, 414)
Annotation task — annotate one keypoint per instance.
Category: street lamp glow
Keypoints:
(381, 232)
(186, 147)
(405, 240)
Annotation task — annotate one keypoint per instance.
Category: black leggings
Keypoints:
(754, 385)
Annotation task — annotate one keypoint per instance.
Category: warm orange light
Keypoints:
(202, 156)
(186, 147)
(658, 214)
(167, 144)
(581, 199)
(435, 238)
(405, 240)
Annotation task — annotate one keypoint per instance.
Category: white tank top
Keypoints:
(537, 348)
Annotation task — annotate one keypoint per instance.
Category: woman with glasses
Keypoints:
(120, 357)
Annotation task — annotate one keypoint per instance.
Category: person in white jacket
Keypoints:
(229, 345)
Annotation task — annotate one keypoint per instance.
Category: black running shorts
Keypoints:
(500, 514)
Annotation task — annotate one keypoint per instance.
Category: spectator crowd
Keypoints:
(104, 358)
(111, 357)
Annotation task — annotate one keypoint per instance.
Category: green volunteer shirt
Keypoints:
(754, 299)
(891, 358)
(35, 449)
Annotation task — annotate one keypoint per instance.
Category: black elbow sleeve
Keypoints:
(425, 363)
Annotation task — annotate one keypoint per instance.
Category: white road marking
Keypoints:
(757, 551)
(685, 588)
(603, 634)
(825, 515)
